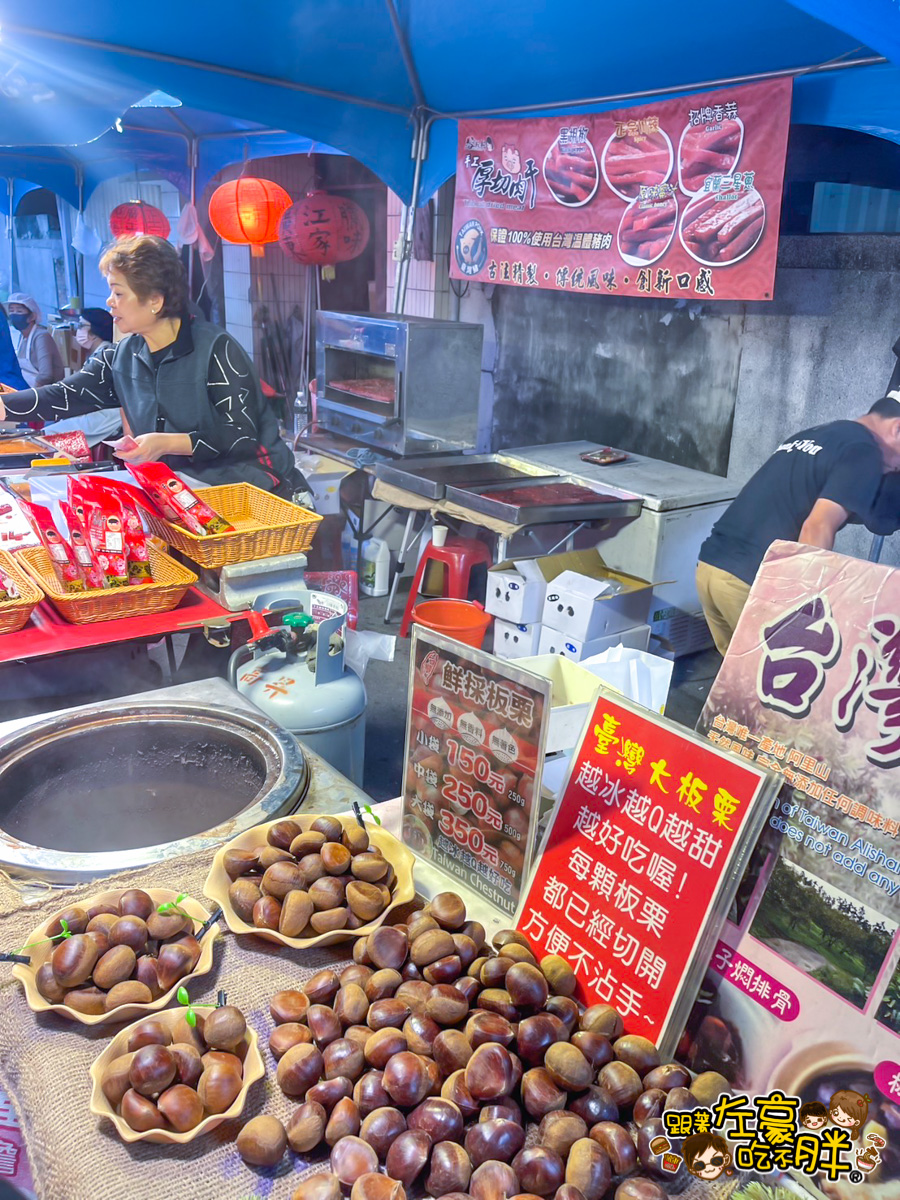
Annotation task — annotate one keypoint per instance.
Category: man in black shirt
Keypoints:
(810, 487)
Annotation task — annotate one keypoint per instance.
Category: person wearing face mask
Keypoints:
(94, 334)
(39, 358)
(95, 330)
(188, 391)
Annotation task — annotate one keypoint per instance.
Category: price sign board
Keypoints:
(475, 734)
(641, 861)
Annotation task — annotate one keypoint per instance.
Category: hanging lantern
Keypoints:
(138, 217)
(322, 229)
(247, 210)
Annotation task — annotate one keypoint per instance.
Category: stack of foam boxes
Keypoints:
(568, 604)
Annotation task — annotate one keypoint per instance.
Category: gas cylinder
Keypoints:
(293, 670)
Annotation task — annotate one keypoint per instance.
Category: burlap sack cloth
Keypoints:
(44, 1064)
(45, 1059)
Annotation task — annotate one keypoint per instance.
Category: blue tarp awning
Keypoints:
(336, 71)
(156, 139)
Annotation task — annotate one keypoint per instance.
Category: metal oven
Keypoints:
(405, 385)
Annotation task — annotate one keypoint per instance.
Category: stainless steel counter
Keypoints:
(663, 486)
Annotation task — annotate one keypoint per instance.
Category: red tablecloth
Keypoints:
(47, 633)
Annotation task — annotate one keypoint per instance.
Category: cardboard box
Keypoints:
(554, 642)
(577, 606)
(516, 590)
(572, 693)
(515, 641)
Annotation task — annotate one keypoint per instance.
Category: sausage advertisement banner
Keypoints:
(803, 991)
(639, 864)
(475, 738)
(677, 198)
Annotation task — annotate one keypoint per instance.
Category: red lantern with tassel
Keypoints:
(247, 211)
(138, 217)
(322, 229)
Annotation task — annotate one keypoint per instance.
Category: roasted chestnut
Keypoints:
(489, 1072)
(407, 1156)
(616, 1141)
(560, 1130)
(498, 1139)
(588, 1169)
(352, 1157)
(622, 1082)
(539, 1170)
(540, 1094)
(306, 1128)
(450, 1170)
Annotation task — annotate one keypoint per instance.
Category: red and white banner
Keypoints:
(678, 198)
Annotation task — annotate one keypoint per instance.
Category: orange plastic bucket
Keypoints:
(464, 620)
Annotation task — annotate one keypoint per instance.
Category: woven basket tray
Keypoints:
(15, 613)
(171, 581)
(264, 526)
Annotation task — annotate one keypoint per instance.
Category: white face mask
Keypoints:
(83, 336)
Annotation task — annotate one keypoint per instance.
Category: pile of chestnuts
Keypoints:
(434, 1063)
(125, 952)
(308, 882)
(174, 1076)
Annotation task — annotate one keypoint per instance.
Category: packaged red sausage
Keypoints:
(82, 548)
(65, 566)
(106, 528)
(136, 551)
(168, 491)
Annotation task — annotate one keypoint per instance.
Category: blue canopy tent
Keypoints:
(385, 80)
(163, 139)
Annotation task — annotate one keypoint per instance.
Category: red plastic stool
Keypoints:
(459, 555)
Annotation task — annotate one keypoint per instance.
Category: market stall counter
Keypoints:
(679, 508)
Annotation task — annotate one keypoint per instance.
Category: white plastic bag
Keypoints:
(361, 645)
(637, 674)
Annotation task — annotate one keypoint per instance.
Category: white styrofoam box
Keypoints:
(324, 477)
(515, 591)
(554, 642)
(515, 641)
(581, 607)
(572, 691)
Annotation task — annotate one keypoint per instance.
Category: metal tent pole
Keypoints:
(420, 150)
(194, 151)
(11, 232)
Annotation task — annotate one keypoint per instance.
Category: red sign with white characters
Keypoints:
(475, 738)
(675, 198)
(640, 863)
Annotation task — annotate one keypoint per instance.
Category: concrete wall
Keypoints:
(717, 392)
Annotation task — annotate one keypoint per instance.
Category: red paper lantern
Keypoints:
(247, 210)
(138, 217)
(321, 229)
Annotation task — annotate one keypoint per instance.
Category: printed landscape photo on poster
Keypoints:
(639, 864)
(675, 198)
(803, 991)
(475, 735)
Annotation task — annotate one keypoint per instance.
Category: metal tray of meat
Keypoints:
(431, 476)
(543, 501)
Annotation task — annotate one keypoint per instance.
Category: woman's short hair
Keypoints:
(152, 266)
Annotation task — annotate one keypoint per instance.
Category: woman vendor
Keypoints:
(187, 389)
(39, 358)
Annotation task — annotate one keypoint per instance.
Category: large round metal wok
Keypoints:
(99, 790)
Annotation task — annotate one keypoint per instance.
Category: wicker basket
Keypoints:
(171, 581)
(264, 526)
(15, 613)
